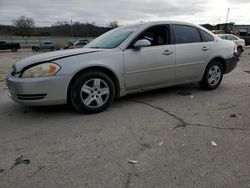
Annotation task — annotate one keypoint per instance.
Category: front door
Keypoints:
(152, 65)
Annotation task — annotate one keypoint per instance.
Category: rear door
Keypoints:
(192, 53)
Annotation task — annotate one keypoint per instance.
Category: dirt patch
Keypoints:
(146, 146)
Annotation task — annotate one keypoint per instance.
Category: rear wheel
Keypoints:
(239, 50)
(213, 76)
(92, 92)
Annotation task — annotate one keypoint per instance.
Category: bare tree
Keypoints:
(24, 26)
(61, 28)
(113, 24)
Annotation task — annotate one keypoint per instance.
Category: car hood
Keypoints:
(50, 56)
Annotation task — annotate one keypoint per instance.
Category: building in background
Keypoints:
(226, 28)
(242, 29)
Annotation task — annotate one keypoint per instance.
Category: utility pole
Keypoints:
(71, 23)
(227, 28)
(228, 10)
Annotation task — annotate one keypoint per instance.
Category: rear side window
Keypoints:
(230, 37)
(223, 37)
(206, 37)
(186, 34)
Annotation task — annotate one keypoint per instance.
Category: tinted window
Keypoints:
(186, 34)
(223, 37)
(157, 35)
(206, 37)
(230, 37)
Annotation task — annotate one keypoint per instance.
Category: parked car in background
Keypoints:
(77, 44)
(246, 38)
(44, 46)
(122, 61)
(81, 43)
(240, 43)
(9, 46)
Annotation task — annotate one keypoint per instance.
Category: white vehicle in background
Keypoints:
(240, 43)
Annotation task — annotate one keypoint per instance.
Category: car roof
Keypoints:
(224, 34)
(151, 23)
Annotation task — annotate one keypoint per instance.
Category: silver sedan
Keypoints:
(122, 61)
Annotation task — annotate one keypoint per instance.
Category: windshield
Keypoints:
(113, 38)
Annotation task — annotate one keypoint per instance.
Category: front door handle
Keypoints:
(167, 52)
(204, 48)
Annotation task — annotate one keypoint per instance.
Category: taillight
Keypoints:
(235, 48)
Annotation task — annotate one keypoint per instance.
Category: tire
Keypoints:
(213, 76)
(92, 92)
(36, 49)
(52, 49)
(14, 49)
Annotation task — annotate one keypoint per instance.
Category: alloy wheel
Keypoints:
(214, 75)
(95, 93)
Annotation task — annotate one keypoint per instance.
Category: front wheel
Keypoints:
(92, 92)
(213, 76)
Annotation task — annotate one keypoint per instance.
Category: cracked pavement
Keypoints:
(67, 149)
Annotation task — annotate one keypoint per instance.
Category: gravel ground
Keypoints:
(169, 132)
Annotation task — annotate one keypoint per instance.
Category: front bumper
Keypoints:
(231, 63)
(38, 91)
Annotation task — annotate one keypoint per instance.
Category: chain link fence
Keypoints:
(28, 42)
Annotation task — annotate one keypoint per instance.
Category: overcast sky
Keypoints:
(47, 12)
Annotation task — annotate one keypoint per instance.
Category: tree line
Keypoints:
(24, 26)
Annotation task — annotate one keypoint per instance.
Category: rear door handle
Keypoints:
(167, 52)
(204, 48)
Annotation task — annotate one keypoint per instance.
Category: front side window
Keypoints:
(186, 34)
(156, 35)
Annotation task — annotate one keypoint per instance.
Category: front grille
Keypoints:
(31, 97)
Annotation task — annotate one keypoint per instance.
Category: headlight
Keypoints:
(41, 70)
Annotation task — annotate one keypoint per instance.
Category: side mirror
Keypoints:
(142, 43)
